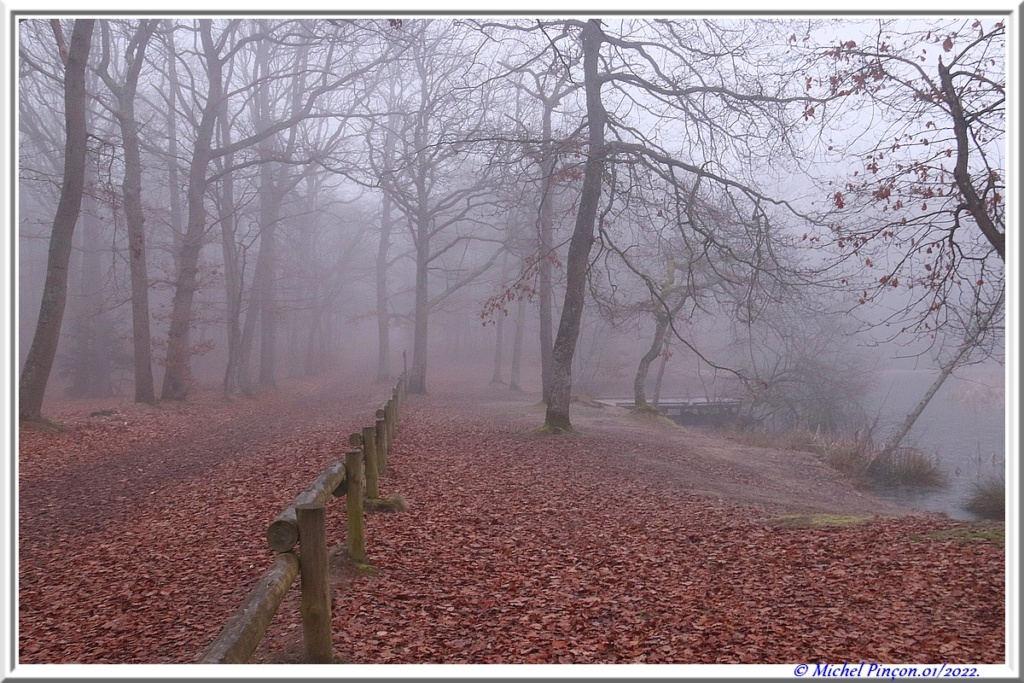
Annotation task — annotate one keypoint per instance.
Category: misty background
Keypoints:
(378, 194)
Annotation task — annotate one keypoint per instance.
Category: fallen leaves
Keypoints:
(138, 542)
(519, 549)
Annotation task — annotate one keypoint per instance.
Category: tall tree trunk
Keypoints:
(383, 247)
(233, 277)
(499, 343)
(131, 189)
(92, 331)
(557, 415)
(270, 209)
(661, 373)
(421, 240)
(662, 317)
(517, 345)
(418, 371)
(546, 227)
(245, 344)
(39, 363)
(315, 347)
(177, 371)
(173, 179)
(383, 320)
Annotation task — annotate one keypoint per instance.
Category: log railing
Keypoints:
(303, 523)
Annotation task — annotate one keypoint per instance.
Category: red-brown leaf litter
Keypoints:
(142, 529)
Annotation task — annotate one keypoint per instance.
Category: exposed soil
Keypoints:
(142, 530)
(694, 460)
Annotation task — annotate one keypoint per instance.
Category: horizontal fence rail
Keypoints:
(302, 523)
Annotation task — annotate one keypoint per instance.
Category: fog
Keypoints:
(362, 197)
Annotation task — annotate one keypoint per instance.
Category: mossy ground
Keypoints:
(42, 425)
(389, 504)
(548, 430)
(818, 520)
(994, 534)
(649, 414)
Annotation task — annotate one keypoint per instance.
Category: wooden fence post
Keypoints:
(316, 587)
(389, 412)
(384, 437)
(381, 443)
(354, 502)
(370, 462)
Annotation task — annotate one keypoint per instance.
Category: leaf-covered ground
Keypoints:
(626, 543)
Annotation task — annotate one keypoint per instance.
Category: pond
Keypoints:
(963, 427)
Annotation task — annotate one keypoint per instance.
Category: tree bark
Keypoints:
(131, 190)
(662, 318)
(173, 180)
(418, 371)
(517, 345)
(270, 211)
(92, 331)
(499, 343)
(233, 283)
(546, 227)
(383, 247)
(961, 130)
(39, 363)
(177, 371)
(557, 415)
(661, 374)
(421, 240)
(660, 327)
(383, 319)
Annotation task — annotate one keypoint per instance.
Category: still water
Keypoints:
(963, 427)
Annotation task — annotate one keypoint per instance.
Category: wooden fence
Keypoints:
(303, 523)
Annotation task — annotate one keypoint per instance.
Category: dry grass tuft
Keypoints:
(989, 499)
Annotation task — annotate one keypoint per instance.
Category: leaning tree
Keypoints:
(921, 217)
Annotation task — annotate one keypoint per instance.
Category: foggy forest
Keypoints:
(689, 331)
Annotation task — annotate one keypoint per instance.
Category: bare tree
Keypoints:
(36, 372)
(216, 52)
(131, 188)
(549, 87)
(921, 222)
(435, 184)
(660, 68)
(557, 415)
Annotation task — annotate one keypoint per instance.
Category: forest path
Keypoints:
(627, 542)
(141, 530)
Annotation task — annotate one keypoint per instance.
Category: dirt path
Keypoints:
(628, 542)
(687, 459)
(141, 530)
